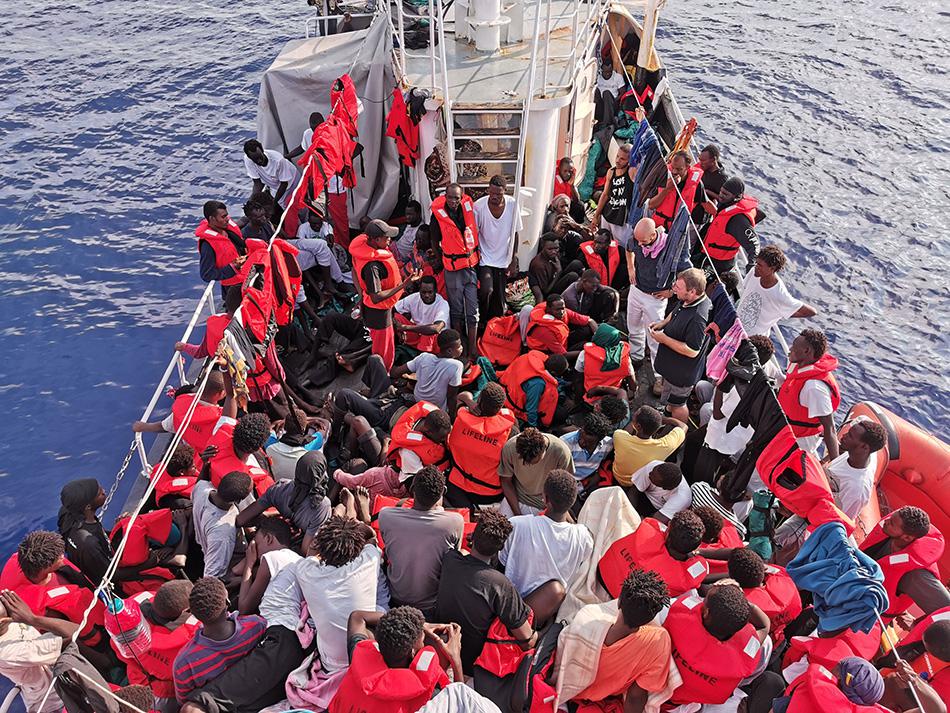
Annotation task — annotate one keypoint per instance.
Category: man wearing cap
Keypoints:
(733, 227)
(376, 272)
(453, 231)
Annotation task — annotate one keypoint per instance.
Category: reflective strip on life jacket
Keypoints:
(922, 553)
(458, 251)
(719, 244)
(362, 255)
(474, 446)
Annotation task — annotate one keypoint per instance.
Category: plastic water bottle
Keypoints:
(127, 628)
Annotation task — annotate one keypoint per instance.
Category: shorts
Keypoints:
(675, 395)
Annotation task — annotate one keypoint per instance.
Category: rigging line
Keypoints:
(106, 691)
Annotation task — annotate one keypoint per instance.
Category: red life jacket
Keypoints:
(922, 553)
(167, 485)
(501, 655)
(344, 104)
(596, 262)
(719, 244)
(287, 277)
(778, 597)
(203, 418)
(362, 255)
(385, 501)
(789, 394)
(829, 651)
(474, 446)
(562, 187)
(155, 525)
(817, 690)
(401, 129)
(501, 341)
(711, 669)
(799, 481)
(666, 211)
(593, 374)
(930, 667)
(528, 366)
(227, 462)
(728, 539)
(405, 435)
(541, 320)
(422, 342)
(645, 548)
(225, 252)
(458, 251)
(153, 668)
(370, 686)
(62, 595)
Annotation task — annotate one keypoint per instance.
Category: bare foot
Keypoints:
(344, 364)
(362, 504)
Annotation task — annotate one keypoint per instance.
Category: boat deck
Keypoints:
(483, 79)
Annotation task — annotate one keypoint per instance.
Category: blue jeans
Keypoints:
(462, 286)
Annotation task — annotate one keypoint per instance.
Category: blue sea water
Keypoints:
(119, 119)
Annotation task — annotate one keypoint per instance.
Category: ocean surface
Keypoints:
(118, 120)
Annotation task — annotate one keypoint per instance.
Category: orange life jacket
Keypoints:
(370, 686)
(502, 655)
(829, 651)
(719, 244)
(539, 320)
(203, 418)
(927, 665)
(711, 669)
(817, 691)
(501, 341)
(405, 435)
(153, 668)
(528, 366)
(778, 597)
(155, 525)
(789, 394)
(386, 501)
(286, 277)
(167, 485)
(645, 548)
(593, 374)
(422, 342)
(596, 262)
(922, 553)
(458, 251)
(665, 213)
(362, 254)
(226, 461)
(728, 539)
(225, 252)
(475, 445)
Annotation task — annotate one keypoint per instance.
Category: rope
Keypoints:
(106, 691)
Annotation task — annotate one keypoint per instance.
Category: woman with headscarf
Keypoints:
(604, 362)
(294, 443)
(302, 501)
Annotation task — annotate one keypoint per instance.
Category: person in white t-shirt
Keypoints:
(267, 554)
(763, 298)
(607, 92)
(316, 118)
(544, 552)
(313, 242)
(665, 488)
(851, 474)
(499, 222)
(269, 169)
(425, 313)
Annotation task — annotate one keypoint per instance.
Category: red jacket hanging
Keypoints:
(817, 691)
(645, 548)
(711, 669)
(400, 128)
(922, 553)
(405, 435)
(286, 278)
(789, 394)
(371, 686)
(595, 261)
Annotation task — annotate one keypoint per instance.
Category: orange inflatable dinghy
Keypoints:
(913, 469)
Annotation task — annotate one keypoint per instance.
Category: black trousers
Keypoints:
(492, 282)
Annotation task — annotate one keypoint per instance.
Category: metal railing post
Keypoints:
(447, 100)
(401, 20)
(547, 46)
(432, 17)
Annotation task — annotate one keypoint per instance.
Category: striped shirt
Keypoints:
(203, 659)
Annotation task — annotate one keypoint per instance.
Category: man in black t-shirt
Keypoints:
(682, 341)
(473, 594)
(713, 175)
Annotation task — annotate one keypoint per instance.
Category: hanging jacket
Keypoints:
(362, 255)
(528, 366)
(666, 211)
(711, 669)
(474, 447)
(922, 553)
(596, 262)
(539, 319)
(501, 341)
(789, 394)
(779, 598)
(817, 691)
(645, 548)
(226, 461)
(405, 435)
(153, 668)
(287, 277)
(458, 251)
(720, 245)
(401, 129)
(344, 104)
(370, 686)
(594, 356)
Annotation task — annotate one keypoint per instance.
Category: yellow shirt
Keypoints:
(632, 452)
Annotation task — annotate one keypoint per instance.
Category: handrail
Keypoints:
(317, 18)
(9, 698)
(447, 100)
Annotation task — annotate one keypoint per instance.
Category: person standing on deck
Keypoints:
(713, 175)
(611, 213)
(222, 249)
(454, 235)
(733, 227)
(763, 298)
(683, 185)
(269, 169)
(499, 222)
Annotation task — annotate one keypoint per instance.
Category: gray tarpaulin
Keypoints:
(298, 83)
